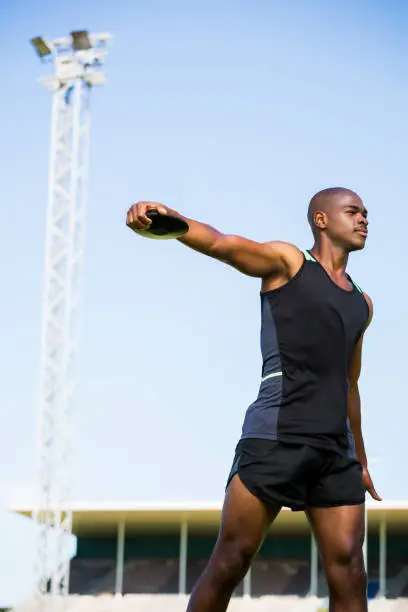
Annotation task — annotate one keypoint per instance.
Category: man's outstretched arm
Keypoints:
(354, 408)
(260, 259)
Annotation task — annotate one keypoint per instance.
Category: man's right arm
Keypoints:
(249, 257)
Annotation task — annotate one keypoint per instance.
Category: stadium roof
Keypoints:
(102, 519)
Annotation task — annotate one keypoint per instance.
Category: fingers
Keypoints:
(374, 493)
(137, 214)
(159, 207)
(369, 486)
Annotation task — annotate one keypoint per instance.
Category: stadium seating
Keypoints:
(149, 576)
(84, 573)
(280, 577)
(397, 579)
(283, 583)
(160, 576)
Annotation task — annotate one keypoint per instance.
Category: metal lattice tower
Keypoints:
(77, 62)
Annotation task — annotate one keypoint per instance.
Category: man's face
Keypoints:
(347, 223)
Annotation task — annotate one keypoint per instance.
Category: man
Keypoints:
(301, 444)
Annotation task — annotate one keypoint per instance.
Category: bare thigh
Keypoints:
(244, 521)
(339, 532)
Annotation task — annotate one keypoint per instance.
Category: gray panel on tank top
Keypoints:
(351, 451)
(261, 419)
(269, 340)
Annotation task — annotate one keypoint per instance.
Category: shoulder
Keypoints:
(290, 259)
(289, 254)
(284, 247)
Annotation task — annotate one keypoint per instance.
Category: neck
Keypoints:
(332, 257)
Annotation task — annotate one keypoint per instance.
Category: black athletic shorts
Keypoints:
(297, 476)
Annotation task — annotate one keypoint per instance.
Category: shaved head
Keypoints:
(324, 200)
(338, 216)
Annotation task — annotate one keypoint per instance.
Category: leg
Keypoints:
(244, 522)
(339, 533)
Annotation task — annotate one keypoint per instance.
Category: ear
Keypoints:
(320, 220)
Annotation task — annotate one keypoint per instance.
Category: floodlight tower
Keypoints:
(77, 62)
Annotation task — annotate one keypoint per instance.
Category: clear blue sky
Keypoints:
(235, 113)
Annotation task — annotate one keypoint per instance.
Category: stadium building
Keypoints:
(152, 555)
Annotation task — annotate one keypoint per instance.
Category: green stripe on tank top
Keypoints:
(356, 286)
(308, 256)
(273, 375)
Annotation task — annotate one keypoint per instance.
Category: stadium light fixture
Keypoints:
(77, 64)
(81, 40)
(41, 46)
(94, 78)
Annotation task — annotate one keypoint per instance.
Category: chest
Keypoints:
(334, 308)
(313, 309)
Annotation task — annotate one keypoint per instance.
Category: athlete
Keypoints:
(301, 445)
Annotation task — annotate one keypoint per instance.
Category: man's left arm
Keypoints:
(354, 408)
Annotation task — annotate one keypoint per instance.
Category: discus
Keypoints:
(163, 227)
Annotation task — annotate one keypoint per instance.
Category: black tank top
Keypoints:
(310, 328)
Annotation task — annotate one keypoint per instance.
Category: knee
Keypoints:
(347, 563)
(348, 555)
(231, 561)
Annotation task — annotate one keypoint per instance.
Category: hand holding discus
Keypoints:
(153, 220)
